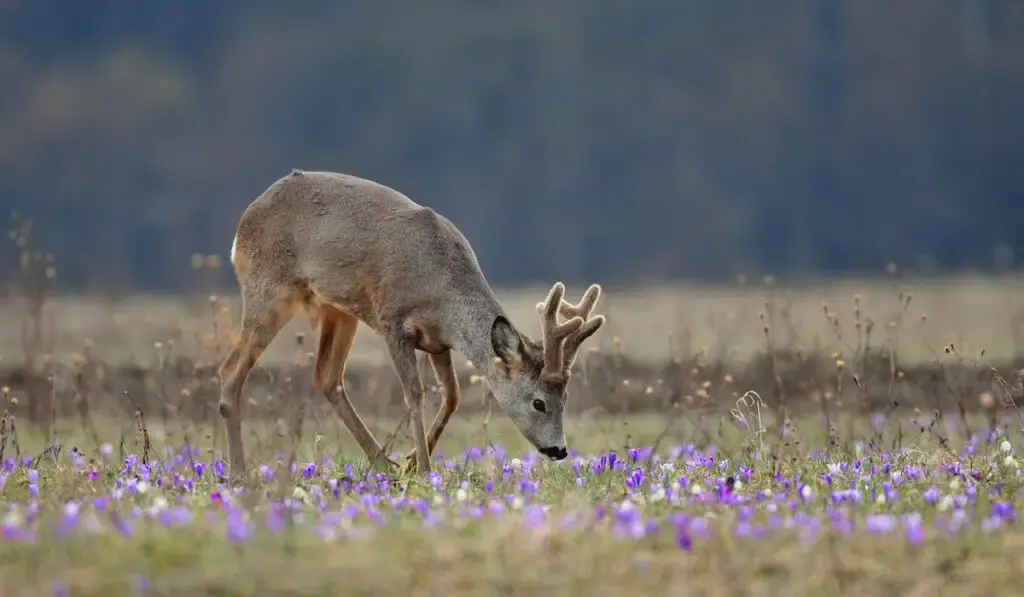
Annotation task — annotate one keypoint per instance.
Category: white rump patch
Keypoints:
(234, 245)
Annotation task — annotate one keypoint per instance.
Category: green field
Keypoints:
(690, 500)
(491, 523)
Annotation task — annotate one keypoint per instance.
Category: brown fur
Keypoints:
(342, 249)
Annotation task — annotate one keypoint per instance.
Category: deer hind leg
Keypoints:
(451, 396)
(262, 318)
(403, 354)
(337, 332)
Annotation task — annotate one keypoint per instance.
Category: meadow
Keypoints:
(838, 437)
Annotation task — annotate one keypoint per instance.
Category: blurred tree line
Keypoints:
(580, 140)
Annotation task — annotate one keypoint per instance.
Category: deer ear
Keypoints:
(506, 341)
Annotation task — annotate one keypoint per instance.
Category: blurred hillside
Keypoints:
(580, 140)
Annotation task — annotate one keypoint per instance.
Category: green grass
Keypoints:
(558, 530)
(519, 551)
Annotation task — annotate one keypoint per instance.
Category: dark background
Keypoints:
(578, 139)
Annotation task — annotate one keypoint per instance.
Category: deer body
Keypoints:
(341, 249)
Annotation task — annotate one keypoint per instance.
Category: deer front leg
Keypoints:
(403, 353)
(337, 332)
(451, 396)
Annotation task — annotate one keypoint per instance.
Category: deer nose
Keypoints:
(555, 452)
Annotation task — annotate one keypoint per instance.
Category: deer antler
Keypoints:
(570, 345)
(555, 334)
(589, 327)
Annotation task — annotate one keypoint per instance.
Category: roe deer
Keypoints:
(342, 249)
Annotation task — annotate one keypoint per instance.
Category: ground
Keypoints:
(680, 520)
(709, 497)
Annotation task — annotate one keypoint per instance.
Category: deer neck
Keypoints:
(473, 336)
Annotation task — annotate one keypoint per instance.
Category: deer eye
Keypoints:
(540, 405)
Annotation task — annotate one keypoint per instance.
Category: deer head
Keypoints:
(529, 378)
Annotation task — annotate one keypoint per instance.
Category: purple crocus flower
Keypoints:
(435, 479)
(1004, 511)
(991, 523)
(123, 526)
(176, 516)
(914, 534)
(142, 584)
(684, 540)
(238, 528)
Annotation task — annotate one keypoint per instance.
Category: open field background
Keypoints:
(879, 454)
(975, 312)
(925, 344)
